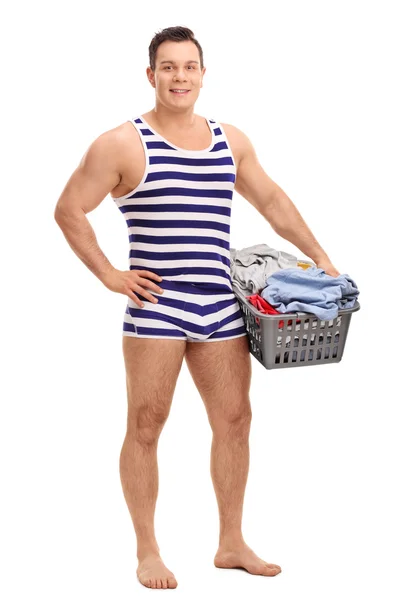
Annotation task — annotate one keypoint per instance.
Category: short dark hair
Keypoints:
(176, 34)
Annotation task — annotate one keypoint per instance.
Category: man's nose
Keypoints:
(180, 74)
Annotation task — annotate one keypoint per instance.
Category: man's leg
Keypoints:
(152, 368)
(221, 372)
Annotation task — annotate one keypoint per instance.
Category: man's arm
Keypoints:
(96, 175)
(270, 200)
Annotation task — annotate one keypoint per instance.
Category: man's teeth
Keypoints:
(179, 90)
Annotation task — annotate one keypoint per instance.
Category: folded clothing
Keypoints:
(310, 290)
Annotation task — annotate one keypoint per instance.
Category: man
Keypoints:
(172, 175)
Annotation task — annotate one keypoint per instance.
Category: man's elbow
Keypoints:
(270, 208)
(62, 213)
(57, 213)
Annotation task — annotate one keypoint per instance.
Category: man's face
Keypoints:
(177, 67)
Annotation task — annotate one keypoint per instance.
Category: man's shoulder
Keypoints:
(119, 138)
(231, 128)
(237, 139)
(120, 132)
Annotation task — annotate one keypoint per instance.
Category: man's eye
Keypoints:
(169, 67)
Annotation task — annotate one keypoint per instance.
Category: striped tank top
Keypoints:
(178, 216)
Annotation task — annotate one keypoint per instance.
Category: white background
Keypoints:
(314, 86)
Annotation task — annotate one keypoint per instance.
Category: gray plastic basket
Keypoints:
(311, 341)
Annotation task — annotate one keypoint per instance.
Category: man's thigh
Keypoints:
(152, 369)
(221, 372)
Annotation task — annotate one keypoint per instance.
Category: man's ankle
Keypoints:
(231, 540)
(147, 550)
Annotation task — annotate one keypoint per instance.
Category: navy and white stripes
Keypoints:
(178, 217)
(178, 220)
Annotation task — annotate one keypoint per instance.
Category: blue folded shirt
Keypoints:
(310, 290)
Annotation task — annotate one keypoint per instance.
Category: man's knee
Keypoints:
(234, 419)
(146, 423)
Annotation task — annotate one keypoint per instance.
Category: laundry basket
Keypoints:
(304, 340)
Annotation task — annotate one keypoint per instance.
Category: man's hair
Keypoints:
(176, 34)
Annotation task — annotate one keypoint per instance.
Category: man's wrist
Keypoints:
(106, 274)
(320, 257)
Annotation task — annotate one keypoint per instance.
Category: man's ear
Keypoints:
(150, 76)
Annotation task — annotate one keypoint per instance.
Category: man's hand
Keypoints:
(124, 282)
(328, 267)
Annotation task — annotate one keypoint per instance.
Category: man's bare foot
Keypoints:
(154, 574)
(242, 556)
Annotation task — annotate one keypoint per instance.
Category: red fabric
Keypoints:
(262, 305)
(265, 307)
